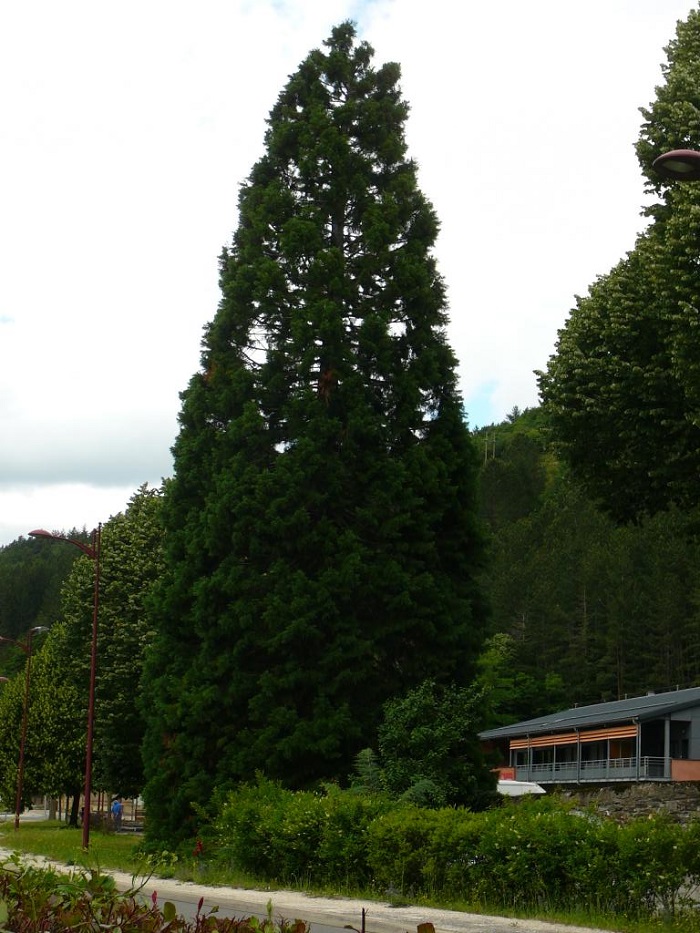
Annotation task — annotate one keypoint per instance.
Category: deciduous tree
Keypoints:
(55, 741)
(623, 388)
(130, 563)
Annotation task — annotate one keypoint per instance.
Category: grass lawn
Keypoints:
(54, 840)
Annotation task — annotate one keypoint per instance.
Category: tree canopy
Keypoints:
(130, 564)
(322, 538)
(56, 734)
(623, 387)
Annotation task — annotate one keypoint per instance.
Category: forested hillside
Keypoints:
(589, 610)
(31, 577)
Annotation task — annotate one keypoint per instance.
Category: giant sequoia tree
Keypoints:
(322, 541)
(623, 389)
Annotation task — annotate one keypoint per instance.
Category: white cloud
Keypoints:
(126, 130)
(24, 508)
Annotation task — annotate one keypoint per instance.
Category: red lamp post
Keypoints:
(93, 552)
(27, 648)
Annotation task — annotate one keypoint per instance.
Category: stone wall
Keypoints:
(629, 801)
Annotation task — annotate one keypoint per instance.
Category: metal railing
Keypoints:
(646, 768)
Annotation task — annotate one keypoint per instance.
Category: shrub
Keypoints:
(249, 827)
(654, 859)
(298, 836)
(34, 900)
(399, 843)
(343, 852)
(530, 855)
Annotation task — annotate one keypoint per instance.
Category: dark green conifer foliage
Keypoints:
(323, 541)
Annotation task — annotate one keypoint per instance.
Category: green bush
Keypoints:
(299, 837)
(530, 855)
(399, 843)
(249, 827)
(656, 860)
(343, 851)
(298, 840)
(454, 863)
(537, 856)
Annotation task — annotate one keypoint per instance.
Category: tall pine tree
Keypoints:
(322, 540)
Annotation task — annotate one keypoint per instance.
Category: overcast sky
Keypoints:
(125, 130)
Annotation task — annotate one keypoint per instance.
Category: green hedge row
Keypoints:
(530, 854)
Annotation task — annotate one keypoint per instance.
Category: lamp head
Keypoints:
(92, 552)
(679, 164)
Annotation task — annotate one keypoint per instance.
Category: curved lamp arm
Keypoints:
(90, 550)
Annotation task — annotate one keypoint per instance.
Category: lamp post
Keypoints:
(679, 164)
(93, 552)
(27, 648)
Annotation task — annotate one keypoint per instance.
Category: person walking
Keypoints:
(117, 811)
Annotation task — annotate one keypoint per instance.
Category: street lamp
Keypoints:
(27, 648)
(679, 164)
(93, 552)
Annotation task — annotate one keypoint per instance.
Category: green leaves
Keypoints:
(34, 899)
(622, 387)
(55, 760)
(617, 391)
(672, 121)
(429, 749)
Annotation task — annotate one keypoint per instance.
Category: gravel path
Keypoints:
(334, 912)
